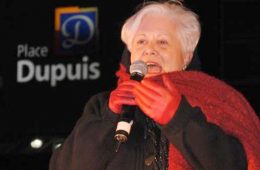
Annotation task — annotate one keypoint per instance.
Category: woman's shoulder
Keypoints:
(100, 96)
(97, 100)
(97, 106)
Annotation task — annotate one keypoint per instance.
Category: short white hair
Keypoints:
(187, 22)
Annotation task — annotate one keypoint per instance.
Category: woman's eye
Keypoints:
(140, 42)
(163, 42)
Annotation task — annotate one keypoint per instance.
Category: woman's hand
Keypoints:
(158, 102)
(122, 95)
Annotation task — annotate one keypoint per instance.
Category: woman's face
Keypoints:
(156, 43)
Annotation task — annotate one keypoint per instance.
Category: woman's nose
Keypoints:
(150, 50)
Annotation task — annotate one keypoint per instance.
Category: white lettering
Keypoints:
(85, 68)
(58, 73)
(44, 51)
(55, 73)
(93, 68)
(31, 51)
(42, 74)
(76, 75)
(20, 49)
(21, 67)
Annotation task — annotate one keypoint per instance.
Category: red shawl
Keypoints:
(222, 105)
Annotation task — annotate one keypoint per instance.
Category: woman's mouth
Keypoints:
(153, 68)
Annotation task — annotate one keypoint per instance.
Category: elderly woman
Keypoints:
(185, 119)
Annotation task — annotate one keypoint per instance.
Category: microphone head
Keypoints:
(138, 67)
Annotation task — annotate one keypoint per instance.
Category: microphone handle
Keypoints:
(127, 113)
(127, 117)
(125, 123)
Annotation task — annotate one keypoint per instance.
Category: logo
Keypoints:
(74, 28)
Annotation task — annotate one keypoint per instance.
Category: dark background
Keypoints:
(229, 49)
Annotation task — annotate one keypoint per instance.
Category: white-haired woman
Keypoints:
(184, 119)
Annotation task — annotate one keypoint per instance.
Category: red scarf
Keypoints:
(222, 105)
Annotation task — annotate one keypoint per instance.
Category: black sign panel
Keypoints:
(54, 56)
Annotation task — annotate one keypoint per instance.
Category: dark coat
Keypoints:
(91, 145)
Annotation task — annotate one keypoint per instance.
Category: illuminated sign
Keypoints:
(74, 28)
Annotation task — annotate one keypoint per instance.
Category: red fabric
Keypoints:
(222, 105)
(159, 102)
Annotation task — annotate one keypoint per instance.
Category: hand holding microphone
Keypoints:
(157, 101)
(122, 95)
(122, 101)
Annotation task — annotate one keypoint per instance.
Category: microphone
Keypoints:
(138, 70)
